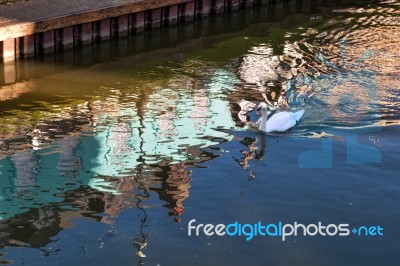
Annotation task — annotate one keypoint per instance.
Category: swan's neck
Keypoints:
(264, 119)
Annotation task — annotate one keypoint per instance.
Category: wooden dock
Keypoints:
(28, 37)
(68, 35)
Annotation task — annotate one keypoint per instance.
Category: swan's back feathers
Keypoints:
(280, 121)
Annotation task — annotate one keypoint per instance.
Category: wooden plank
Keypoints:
(20, 29)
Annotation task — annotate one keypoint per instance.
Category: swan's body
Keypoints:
(278, 122)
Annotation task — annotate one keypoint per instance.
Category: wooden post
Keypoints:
(205, 7)
(58, 40)
(65, 38)
(7, 50)
(84, 34)
(219, 6)
(137, 23)
(18, 47)
(68, 37)
(102, 29)
(156, 18)
(46, 42)
(27, 46)
(120, 26)
(173, 14)
(164, 15)
(189, 11)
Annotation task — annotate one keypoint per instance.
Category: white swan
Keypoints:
(278, 122)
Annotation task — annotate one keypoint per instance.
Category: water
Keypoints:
(116, 156)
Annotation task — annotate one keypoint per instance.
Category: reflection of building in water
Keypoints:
(261, 65)
(174, 188)
(133, 147)
(37, 226)
(178, 186)
(69, 165)
(122, 145)
(108, 154)
(279, 77)
(181, 115)
(36, 173)
(164, 135)
(25, 164)
(105, 157)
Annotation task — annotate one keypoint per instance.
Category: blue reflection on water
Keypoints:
(172, 121)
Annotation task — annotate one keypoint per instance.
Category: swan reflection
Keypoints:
(255, 149)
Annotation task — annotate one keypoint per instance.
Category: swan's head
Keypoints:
(262, 107)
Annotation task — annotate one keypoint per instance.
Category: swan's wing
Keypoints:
(297, 115)
(281, 121)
